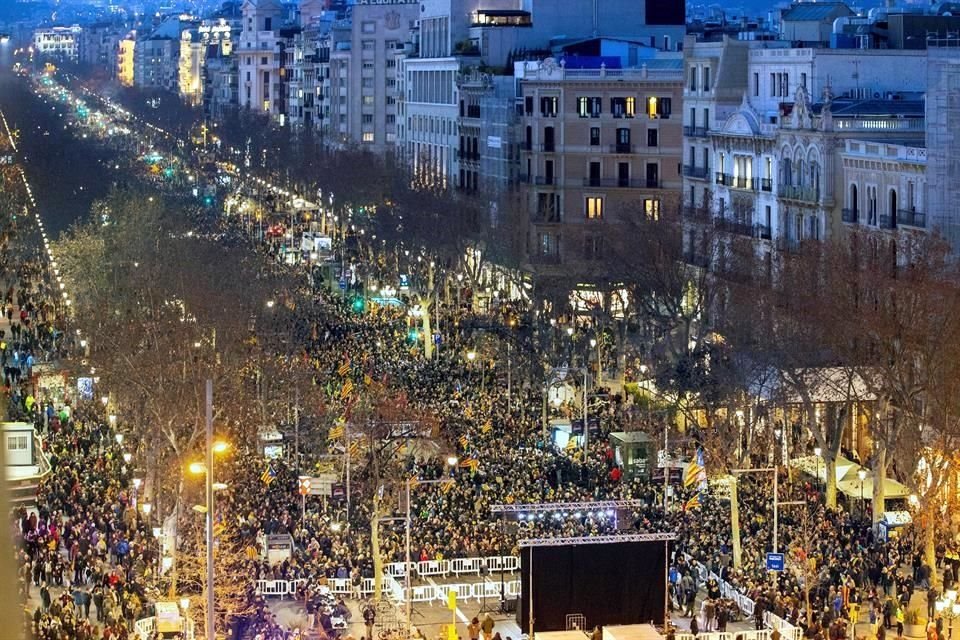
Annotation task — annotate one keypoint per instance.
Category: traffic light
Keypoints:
(358, 304)
(413, 336)
(208, 201)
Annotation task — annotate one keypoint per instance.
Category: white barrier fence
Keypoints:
(144, 628)
(747, 606)
(397, 570)
(763, 634)
(395, 590)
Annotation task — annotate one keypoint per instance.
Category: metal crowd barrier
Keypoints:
(396, 591)
(455, 567)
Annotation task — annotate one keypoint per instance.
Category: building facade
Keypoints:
(58, 42)
(598, 146)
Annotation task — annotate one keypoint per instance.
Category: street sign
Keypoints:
(437, 338)
(343, 284)
(322, 485)
(774, 562)
(304, 485)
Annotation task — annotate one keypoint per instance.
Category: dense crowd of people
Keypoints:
(88, 560)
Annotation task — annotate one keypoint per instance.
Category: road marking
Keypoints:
(460, 615)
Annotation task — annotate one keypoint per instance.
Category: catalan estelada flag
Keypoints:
(346, 389)
(692, 503)
(344, 368)
(268, 475)
(694, 474)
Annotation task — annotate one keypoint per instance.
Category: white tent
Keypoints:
(847, 477)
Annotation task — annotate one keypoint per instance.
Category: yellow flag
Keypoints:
(487, 427)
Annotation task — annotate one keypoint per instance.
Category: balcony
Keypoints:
(548, 147)
(695, 213)
(850, 216)
(734, 226)
(621, 147)
(621, 183)
(911, 218)
(545, 258)
(742, 182)
(696, 132)
(724, 179)
(762, 231)
(468, 155)
(692, 171)
(766, 184)
(526, 145)
(887, 222)
(803, 194)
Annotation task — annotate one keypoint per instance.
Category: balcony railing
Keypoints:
(766, 184)
(912, 218)
(692, 171)
(543, 180)
(887, 222)
(621, 147)
(795, 192)
(548, 147)
(545, 258)
(743, 182)
(695, 213)
(735, 226)
(850, 216)
(621, 183)
(467, 155)
(695, 132)
(724, 178)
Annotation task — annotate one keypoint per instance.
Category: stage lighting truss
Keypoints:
(625, 537)
(597, 509)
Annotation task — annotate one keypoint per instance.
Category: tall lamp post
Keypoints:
(207, 469)
(949, 607)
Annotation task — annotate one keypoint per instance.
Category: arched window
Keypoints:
(853, 203)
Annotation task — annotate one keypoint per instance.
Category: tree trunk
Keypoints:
(735, 521)
(879, 474)
(427, 332)
(375, 548)
(830, 481)
(929, 542)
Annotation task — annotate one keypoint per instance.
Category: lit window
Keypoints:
(594, 208)
(266, 105)
(368, 136)
(652, 106)
(651, 209)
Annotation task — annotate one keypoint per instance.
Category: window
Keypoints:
(368, 26)
(658, 107)
(693, 78)
(803, 80)
(549, 106)
(368, 100)
(366, 83)
(368, 45)
(756, 85)
(706, 78)
(773, 85)
(594, 208)
(17, 442)
(594, 136)
(263, 60)
(623, 107)
(651, 208)
(368, 136)
(548, 245)
(588, 107)
(367, 118)
(652, 137)
(592, 248)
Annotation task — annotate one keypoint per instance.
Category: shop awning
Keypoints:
(847, 477)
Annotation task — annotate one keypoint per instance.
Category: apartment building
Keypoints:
(363, 106)
(58, 42)
(265, 56)
(768, 167)
(599, 144)
(461, 36)
(156, 56)
(126, 49)
(211, 38)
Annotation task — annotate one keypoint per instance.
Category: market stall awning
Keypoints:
(847, 477)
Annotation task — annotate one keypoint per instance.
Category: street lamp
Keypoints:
(208, 469)
(595, 343)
